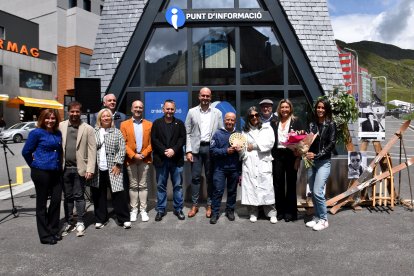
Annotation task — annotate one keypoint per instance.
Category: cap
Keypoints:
(266, 101)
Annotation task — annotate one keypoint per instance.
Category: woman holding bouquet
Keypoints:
(285, 162)
(320, 153)
(257, 180)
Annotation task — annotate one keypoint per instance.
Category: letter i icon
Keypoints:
(174, 18)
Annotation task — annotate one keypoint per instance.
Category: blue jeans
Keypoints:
(162, 173)
(220, 178)
(200, 159)
(317, 177)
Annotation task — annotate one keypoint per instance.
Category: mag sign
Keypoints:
(155, 100)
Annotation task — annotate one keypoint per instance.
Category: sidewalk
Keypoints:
(365, 242)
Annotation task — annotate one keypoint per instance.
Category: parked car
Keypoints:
(17, 132)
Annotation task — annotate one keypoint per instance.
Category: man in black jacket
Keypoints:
(168, 139)
(371, 124)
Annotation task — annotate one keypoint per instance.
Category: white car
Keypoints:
(17, 132)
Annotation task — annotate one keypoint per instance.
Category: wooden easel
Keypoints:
(386, 187)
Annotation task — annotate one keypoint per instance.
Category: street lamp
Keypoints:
(386, 89)
(357, 68)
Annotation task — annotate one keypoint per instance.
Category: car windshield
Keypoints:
(17, 126)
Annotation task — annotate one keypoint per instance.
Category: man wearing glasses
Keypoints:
(355, 164)
(266, 111)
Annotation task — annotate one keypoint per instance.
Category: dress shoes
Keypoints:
(180, 215)
(208, 211)
(50, 241)
(289, 218)
(280, 217)
(57, 237)
(214, 219)
(159, 216)
(230, 215)
(193, 211)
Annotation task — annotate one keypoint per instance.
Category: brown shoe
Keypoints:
(208, 211)
(193, 211)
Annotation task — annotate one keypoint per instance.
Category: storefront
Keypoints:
(244, 50)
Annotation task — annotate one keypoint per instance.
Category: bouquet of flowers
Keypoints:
(300, 142)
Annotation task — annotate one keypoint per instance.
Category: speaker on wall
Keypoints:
(88, 93)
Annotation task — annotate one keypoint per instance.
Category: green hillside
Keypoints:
(387, 60)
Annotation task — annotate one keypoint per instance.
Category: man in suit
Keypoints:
(201, 123)
(168, 139)
(79, 160)
(371, 124)
(137, 135)
(109, 101)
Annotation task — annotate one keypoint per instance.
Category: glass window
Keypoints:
(73, 3)
(177, 3)
(33, 80)
(87, 5)
(2, 32)
(301, 107)
(249, 4)
(101, 9)
(252, 98)
(166, 58)
(292, 76)
(214, 56)
(1, 74)
(212, 4)
(136, 79)
(85, 61)
(261, 57)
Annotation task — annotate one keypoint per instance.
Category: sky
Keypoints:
(386, 21)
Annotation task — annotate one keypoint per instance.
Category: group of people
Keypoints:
(116, 153)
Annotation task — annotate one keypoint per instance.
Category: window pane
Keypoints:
(220, 100)
(87, 5)
(261, 60)
(301, 107)
(136, 80)
(252, 98)
(33, 80)
(178, 3)
(73, 3)
(85, 61)
(2, 33)
(212, 4)
(249, 4)
(214, 57)
(166, 62)
(292, 76)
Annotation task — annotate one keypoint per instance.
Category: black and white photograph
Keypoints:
(371, 122)
(357, 162)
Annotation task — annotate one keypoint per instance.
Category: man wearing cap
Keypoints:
(266, 111)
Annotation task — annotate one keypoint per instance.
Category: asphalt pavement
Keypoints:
(370, 241)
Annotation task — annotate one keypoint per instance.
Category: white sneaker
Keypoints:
(273, 220)
(312, 222)
(253, 218)
(99, 225)
(67, 229)
(133, 214)
(322, 224)
(80, 229)
(127, 224)
(144, 216)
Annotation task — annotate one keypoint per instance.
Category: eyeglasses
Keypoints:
(251, 116)
(355, 160)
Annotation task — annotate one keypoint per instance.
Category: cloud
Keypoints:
(391, 27)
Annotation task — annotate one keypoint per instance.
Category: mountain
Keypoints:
(387, 60)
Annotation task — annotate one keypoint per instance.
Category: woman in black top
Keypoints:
(284, 159)
(320, 153)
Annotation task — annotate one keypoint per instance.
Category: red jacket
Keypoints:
(127, 129)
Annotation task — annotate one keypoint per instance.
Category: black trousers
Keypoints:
(119, 201)
(47, 219)
(284, 182)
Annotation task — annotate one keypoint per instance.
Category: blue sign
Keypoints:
(175, 17)
(155, 100)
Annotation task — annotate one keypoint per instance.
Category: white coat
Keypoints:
(257, 176)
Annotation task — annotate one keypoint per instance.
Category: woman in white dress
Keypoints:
(257, 177)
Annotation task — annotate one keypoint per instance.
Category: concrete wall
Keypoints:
(12, 63)
(75, 20)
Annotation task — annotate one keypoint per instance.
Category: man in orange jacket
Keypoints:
(137, 134)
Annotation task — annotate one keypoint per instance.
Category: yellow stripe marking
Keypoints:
(19, 177)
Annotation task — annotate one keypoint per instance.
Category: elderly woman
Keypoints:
(110, 158)
(257, 179)
(43, 154)
(285, 163)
